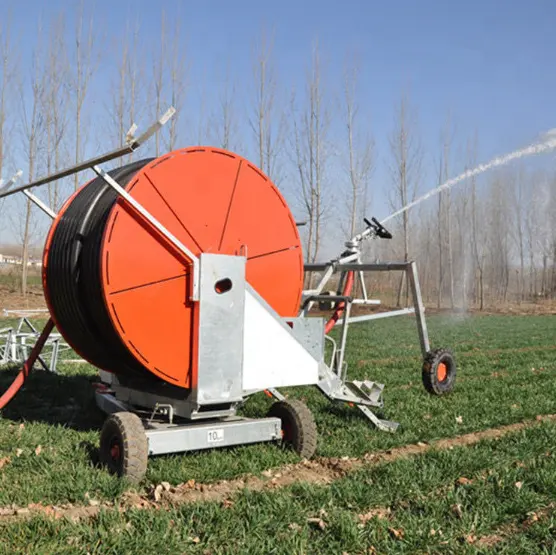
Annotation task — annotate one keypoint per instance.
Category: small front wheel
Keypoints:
(124, 446)
(439, 372)
(298, 426)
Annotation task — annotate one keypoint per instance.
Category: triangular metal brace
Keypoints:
(363, 394)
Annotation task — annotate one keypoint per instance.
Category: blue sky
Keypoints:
(489, 63)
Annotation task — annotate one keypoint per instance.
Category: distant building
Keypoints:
(8, 259)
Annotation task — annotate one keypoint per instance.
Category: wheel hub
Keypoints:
(441, 371)
(115, 451)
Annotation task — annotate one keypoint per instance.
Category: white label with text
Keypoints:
(214, 436)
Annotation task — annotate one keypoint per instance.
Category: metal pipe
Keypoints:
(7, 186)
(384, 267)
(129, 148)
(378, 315)
(38, 202)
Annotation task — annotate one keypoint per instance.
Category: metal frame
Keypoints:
(148, 396)
(334, 383)
(228, 432)
(179, 437)
(410, 268)
(16, 343)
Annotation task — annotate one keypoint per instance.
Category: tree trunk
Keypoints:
(553, 287)
(449, 245)
(440, 283)
(25, 253)
(481, 290)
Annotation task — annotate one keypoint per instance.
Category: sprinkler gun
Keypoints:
(380, 230)
(374, 229)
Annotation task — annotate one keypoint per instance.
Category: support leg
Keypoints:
(419, 308)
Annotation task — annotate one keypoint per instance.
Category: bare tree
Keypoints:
(461, 241)
(477, 235)
(178, 73)
(545, 233)
(159, 76)
(267, 123)
(5, 83)
(133, 69)
(518, 229)
(55, 105)
(448, 206)
(498, 237)
(129, 93)
(310, 128)
(531, 231)
(203, 120)
(552, 224)
(440, 240)
(33, 123)
(305, 179)
(360, 152)
(85, 66)
(265, 95)
(170, 72)
(119, 108)
(406, 169)
(444, 223)
(224, 121)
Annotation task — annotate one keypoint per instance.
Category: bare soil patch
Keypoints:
(13, 300)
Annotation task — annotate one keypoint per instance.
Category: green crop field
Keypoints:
(471, 472)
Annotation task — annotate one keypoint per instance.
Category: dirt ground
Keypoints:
(11, 300)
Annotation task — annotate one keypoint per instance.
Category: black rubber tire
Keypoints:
(125, 430)
(431, 380)
(298, 426)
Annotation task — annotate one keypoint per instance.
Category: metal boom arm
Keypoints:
(132, 145)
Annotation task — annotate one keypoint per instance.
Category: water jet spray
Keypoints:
(536, 148)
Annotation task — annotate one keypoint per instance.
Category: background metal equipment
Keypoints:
(17, 341)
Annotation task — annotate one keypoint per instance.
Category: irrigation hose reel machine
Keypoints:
(181, 279)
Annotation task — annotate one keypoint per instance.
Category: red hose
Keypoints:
(9, 394)
(348, 286)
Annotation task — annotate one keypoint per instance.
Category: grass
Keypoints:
(420, 506)
(506, 371)
(12, 278)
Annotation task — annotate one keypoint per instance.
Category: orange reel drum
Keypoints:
(138, 302)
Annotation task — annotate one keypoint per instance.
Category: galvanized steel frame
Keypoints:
(15, 344)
